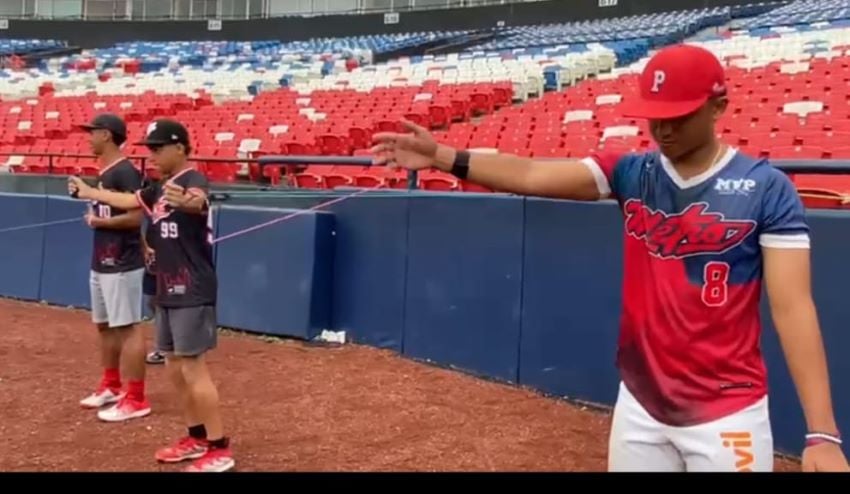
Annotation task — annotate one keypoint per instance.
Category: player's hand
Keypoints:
(413, 151)
(77, 186)
(175, 195)
(91, 220)
(150, 256)
(824, 457)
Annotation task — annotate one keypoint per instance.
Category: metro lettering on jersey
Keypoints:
(691, 232)
(161, 210)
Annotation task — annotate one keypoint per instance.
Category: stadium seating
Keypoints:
(787, 101)
(528, 73)
(794, 86)
(153, 56)
(47, 125)
(374, 44)
(25, 46)
(656, 29)
(788, 87)
(233, 109)
(186, 67)
(283, 121)
(803, 14)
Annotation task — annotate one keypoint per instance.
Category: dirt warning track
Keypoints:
(288, 407)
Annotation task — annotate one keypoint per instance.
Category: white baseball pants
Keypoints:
(741, 442)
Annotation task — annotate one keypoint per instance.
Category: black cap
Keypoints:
(163, 132)
(107, 121)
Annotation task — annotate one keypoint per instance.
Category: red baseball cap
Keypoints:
(676, 82)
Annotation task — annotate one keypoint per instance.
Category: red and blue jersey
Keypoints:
(689, 346)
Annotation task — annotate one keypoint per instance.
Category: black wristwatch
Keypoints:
(460, 167)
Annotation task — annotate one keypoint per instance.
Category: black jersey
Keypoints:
(183, 245)
(116, 251)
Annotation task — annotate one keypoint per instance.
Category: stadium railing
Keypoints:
(53, 169)
(807, 167)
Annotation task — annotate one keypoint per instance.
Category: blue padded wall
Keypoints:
(571, 298)
(67, 255)
(21, 250)
(464, 279)
(277, 279)
(369, 269)
(519, 290)
(830, 236)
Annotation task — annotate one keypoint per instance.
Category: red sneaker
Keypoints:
(215, 460)
(126, 409)
(187, 448)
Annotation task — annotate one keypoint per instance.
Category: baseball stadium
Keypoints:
(424, 235)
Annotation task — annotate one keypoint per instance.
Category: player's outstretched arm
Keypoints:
(787, 277)
(417, 150)
(120, 200)
(192, 200)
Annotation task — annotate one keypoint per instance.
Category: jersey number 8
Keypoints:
(168, 229)
(716, 286)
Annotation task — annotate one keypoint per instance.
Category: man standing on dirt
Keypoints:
(703, 222)
(116, 278)
(179, 211)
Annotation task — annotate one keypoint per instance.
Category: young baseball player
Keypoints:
(186, 289)
(116, 278)
(703, 221)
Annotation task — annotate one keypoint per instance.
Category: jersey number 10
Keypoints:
(715, 289)
(168, 229)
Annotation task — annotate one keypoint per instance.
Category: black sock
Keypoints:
(198, 432)
(222, 443)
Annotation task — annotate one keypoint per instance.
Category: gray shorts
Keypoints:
(186, 331)
(116, 298)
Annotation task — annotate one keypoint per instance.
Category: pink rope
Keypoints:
(275, 221)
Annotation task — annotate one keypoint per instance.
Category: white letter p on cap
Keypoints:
(658, 80)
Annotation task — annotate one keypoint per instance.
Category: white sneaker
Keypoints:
(100, 398)
(125, 410)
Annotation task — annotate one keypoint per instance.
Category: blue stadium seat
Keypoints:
(629, 37)
(800, 13)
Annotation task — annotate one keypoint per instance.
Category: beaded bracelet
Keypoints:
(815, 438)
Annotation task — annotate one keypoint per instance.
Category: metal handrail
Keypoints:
(811, 166)
(132, 157)
(260, 161)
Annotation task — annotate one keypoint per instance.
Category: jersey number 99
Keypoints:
(168, 229)
(715, 288)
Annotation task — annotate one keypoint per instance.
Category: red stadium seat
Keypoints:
(754, 122)
(438, 181)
